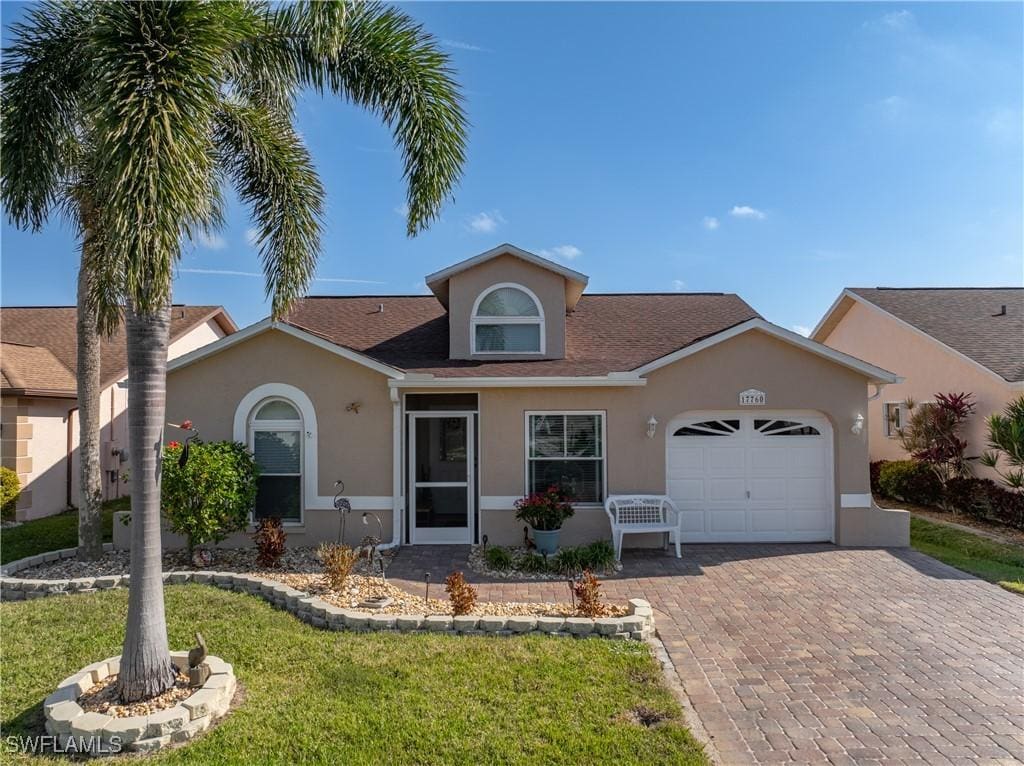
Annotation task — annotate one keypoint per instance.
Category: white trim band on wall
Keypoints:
(855, 500)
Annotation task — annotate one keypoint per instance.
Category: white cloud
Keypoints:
(252, 236)
(402, 210)
(463, 46)
(211, 241)
(485, 223)
(894, 21)
(745, 211)
(678, 285)
(802, 330)
(566, 252)
(710, 223)
(234, 273)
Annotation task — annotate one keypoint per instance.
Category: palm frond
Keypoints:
(274, 174)
(42, 74)
(381, 59)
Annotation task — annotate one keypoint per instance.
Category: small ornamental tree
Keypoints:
(933, 434)
(209, 495)
(1006, 441)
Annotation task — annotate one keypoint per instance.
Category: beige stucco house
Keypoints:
(439, 411)
(940, 340)
(39, 400)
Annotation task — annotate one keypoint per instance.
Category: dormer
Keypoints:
(507, 304)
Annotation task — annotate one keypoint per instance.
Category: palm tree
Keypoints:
(179, 98)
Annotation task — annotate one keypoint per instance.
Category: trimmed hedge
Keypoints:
(10, 490)
(914, 482)
(910, 481)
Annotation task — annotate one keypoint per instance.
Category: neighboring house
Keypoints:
(39, 437)
(439, 411)
(941, 340)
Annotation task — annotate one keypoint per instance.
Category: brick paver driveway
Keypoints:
(819, 654)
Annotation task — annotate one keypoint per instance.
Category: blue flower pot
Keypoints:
(546, 540)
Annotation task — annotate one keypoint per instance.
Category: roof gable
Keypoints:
(969, 322)
(575, 281)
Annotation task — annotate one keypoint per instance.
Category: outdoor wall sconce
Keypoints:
(652, 426)
(858, 424)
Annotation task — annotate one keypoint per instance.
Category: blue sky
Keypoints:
(778, 151)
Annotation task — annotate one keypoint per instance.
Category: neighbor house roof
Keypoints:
(606, 333)
(40, 346)
(970, 320)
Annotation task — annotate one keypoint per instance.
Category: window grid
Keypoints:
(601, 476)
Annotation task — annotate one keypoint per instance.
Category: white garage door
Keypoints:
(742, 477)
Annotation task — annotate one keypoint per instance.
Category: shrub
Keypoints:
(967, 495)
(875, 472)
(338, 561)
(10, 491)
(598, 555)
(547, 510)
(498, 558)
(532, 563)
(1005, 507)
(985, 499)
(910, 481)
(460, 592)
(212, 494)
(932, 434)
(588, 595)
(270, 538)
(1006, 441)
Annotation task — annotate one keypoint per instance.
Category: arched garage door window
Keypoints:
(275, 437)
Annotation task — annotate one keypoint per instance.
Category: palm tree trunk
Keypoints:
(90, 490)
(146, 660)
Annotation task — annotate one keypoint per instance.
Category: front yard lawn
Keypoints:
(363, 698)
(52, 533)
(1001, 563)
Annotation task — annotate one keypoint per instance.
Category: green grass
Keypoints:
(363, 698)
(1001, 563)
(52, 533)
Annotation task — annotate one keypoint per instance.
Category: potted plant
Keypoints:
(545, 512)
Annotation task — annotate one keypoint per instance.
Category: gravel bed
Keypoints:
(102, 698)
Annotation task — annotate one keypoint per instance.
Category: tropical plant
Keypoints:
(1006, 441)
(547, 510)
(163, 102)
(532, 563)
(209, 495)
(10, 491)
(498, 558)
(932, 434)
(338, 561)
(596, 556)
(460, 593)
(270, 539)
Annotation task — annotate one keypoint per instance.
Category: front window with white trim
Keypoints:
(892, 417)
(566, 449)
(508, 319)
(275, 437)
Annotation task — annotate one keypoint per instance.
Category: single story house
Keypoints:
(942, 340)
(39, 399)
(439, 411)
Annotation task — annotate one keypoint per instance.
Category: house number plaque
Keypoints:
(752, 397)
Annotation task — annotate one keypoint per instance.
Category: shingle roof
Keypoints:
(32, 368)
(965, 319)
(606, 333)
(53, 329)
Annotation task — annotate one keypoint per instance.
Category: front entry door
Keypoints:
(441, 477)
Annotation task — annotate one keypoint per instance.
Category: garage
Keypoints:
(752, 477)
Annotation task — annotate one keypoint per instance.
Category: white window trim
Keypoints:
(538, 320)
(277, 426)
(888, 429)
(604, 451)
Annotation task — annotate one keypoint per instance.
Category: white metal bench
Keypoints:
(642, 514)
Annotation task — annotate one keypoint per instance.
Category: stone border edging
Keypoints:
(102, 734)
(638, 625)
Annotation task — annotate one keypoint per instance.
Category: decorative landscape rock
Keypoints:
(98, 732)
(637, 624)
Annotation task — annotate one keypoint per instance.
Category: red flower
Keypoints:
(187, 425)
(173, 445)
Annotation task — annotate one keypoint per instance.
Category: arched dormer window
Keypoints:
(276, 438)
(508, 319)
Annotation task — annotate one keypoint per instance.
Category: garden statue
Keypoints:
(343, 507)
(198, 670)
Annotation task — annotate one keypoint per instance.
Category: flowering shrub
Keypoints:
(209, 495)
(545, 511)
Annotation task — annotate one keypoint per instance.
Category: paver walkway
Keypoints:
(818, 654)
